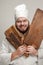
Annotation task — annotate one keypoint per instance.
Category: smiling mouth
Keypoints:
(23, 26)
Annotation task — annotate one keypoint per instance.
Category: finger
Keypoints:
(29, 50)
(23, 46)
(29, 46)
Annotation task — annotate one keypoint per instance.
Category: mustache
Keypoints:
(22, 25)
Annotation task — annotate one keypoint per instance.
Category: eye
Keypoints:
(25, 20)
(18, 21)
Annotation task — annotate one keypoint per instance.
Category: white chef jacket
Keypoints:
(6, 51)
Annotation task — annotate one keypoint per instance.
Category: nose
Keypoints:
(22, 23)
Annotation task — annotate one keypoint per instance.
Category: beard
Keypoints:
(24, 30)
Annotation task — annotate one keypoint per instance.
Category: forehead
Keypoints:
(21, 18)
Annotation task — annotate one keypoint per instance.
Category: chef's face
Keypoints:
(22, 24)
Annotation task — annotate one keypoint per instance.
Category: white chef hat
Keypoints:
(21, 11)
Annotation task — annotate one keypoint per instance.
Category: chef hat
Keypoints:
(21, 11)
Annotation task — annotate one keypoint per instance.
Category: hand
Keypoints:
(21, 50)
(31, 50)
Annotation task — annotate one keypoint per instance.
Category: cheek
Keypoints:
(26, 24)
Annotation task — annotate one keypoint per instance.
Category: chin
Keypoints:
(22, 30)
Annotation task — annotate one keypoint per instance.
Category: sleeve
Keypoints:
(40, 51)
(5, 56)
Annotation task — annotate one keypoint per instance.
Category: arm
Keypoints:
(6, 53)
(6, 56)
(19, 52)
